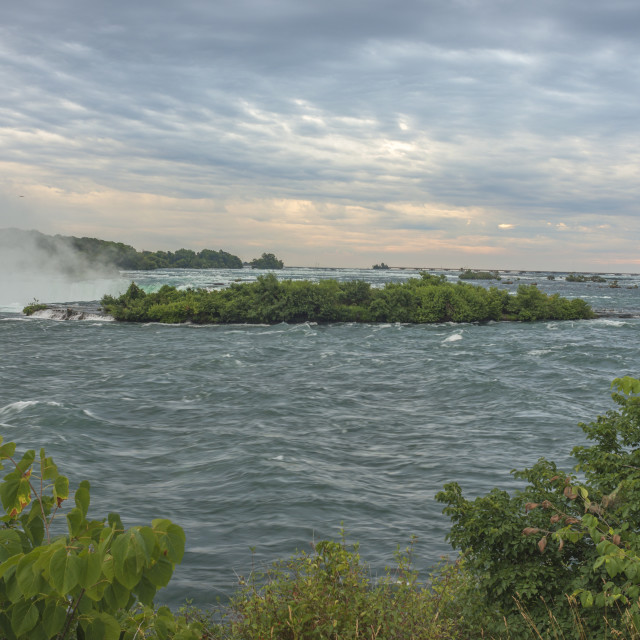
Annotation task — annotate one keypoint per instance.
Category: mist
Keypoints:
(48, 269)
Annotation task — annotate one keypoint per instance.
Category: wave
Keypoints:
(21, 405)
(70, 314)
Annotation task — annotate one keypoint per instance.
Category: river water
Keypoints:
(268, 438)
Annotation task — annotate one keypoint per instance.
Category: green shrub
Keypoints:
(560, 538)
(330, 594)
(96, 581)
(269, 301)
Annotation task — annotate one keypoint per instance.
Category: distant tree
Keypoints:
(267, 261)
(382, 265)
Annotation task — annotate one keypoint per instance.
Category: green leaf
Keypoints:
(9, 563)
(171, 539)
(53, 617)
(114, 520)
(145, 591)
(10, 544)
(24, 617)
(612, 566)
(15, 493)
(33, 526)
(30, 580)
(627, 385)
(61, 488)
(127, 559)
(160, 573)
(7, 450)
(82, 497)
(116, 596)
(65, 569)
(92, 570)
(75, 519)
(27, 460)
(102, 627)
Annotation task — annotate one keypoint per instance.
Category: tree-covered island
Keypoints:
(268, 300)
(267, 261)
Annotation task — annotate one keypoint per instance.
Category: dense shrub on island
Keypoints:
(268, 300)
(382, 266)
(573, 277)
(564, 550)
(94, 581)
(468, 274)
(267, 261)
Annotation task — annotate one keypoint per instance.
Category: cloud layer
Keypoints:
(491, 134)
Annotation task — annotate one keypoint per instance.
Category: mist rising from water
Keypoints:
(49, 269)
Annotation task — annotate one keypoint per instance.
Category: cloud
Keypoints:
(150, 121)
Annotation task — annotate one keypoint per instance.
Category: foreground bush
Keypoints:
(96, 581)
(270, 301)
(330, 595)
(562, 539)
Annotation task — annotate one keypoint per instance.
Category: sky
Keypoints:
(434, 133)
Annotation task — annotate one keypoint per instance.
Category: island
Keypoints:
(468, 274)
(267, 261)
(427, 299)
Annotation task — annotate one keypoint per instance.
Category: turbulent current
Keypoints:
(268, 438)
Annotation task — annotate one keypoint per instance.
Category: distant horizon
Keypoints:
(329, 266)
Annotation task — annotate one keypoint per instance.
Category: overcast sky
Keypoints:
(489, 133)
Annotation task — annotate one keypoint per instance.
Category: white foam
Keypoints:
(21, 405)
(611, 323)
(70, 314)
(453, 338)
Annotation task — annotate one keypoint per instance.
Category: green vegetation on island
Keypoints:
(573, 277)
(267, 261)
(468, 274)
(381, 266)
(34, 306)
(268, 300)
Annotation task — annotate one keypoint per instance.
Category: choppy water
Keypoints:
(270, 437)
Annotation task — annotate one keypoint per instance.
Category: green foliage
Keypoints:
(34, 306)
(429, 298)
(468, 274)
(96, 581)
(573, 277)
(330, 594)
(267, 261)
(105, 253)
(562, 538)
(382, 266)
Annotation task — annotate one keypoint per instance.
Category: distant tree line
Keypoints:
(269, 301)
(74, 255)
(125, 256)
